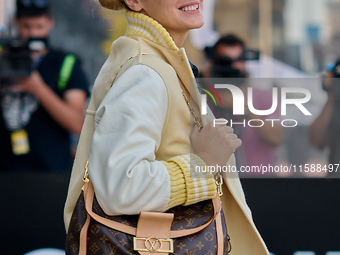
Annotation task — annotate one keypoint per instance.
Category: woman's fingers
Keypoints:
(215, 143)
(232, 136)
(222, 123)
(237, 142)
(219, 123)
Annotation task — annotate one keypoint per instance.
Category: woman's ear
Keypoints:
(134, 5)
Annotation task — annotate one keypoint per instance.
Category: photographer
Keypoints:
(324, 130)
(39, 112)
(228, 58)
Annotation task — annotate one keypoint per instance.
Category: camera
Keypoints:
(16, 61)
(222, 67)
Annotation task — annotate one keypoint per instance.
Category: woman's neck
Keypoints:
(179, 38)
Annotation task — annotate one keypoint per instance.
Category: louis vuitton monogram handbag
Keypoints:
(194, 229)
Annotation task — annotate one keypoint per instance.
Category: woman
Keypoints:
(143, 134)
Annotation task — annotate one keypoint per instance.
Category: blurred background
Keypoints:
(303, 33)
(296, 38)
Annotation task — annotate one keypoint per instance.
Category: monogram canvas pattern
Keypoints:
(101, 240)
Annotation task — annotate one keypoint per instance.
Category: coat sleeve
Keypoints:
(122, 165)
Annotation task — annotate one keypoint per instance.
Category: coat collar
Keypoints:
(155, 35)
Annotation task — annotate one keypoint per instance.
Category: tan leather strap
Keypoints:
(153, 233)
(83, 237)
(219, 234)
(89, 195)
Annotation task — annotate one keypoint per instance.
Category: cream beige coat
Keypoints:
(173, 67)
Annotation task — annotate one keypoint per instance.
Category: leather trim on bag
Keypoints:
(89, 195)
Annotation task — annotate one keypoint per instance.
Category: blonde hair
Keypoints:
(113, 4)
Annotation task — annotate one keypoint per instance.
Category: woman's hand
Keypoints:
(216, 144)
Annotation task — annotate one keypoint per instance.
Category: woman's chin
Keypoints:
(199, 25)
(196, 23)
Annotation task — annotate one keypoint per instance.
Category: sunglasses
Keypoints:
(41, 4)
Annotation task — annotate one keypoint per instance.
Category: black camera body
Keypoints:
(16, 61)
(222, 67)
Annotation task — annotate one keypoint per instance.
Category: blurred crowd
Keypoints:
(44, 90)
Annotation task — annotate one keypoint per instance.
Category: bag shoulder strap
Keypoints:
(89, 196)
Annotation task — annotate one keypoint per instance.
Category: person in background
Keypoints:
(38, 113)
(259, 143)
(324, 130)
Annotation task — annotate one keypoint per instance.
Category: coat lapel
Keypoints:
(182, 67)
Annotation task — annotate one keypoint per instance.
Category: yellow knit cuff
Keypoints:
(177, 181)
(189, 185)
